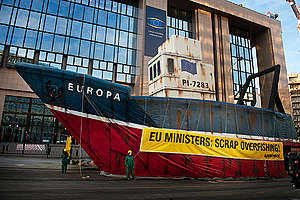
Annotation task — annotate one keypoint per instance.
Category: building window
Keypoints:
(154, 71)
(151, 75)
(77, 64)
(50, 59)
(17, 54)
(179, 22)
(170, 62)
(28, 120)
(243, 63)
(100, 31)
(158, 68)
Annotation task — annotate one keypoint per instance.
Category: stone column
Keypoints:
(265, 59)
(224, 83)
(64, 62)
(279, 58)
(138, 82)
(90, 67)
(2, 100)
(36, 57)
(141, 81)
(5, 56)
(269, 50)
(205, 35)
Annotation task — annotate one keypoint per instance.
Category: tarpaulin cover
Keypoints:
(107, 144)
(218, 117)
(107, 122)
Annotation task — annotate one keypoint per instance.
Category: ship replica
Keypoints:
(194, 136)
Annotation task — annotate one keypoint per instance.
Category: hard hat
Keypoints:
(129, 151)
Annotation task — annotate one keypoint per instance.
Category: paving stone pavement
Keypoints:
(40, 178)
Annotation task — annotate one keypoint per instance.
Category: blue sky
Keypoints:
(291, 36)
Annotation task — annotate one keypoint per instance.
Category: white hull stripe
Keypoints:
(138, 126)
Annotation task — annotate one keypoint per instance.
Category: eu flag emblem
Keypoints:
(188, 67)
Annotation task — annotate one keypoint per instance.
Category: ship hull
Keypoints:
(107, 121)
(107, 142)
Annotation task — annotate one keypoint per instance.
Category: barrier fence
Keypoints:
(48, 150)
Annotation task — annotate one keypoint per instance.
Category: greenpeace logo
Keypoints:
(272, 155)
(98, 92)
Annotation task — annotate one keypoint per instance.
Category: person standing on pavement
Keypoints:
(130, 164)
(296, 174)
(48, 149)
(64, 161)
(294, 169)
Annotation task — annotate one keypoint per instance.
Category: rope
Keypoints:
(237, 124)
(137, 154)
(186, 110)
(145, 109)
(210, 116)
(165, 113)
(80, 148)
(262, 121)
(199, 117)
(99, 113)
(226, 118)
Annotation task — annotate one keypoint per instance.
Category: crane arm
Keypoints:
(295, 8)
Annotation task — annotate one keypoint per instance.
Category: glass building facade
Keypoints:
(28, 120)
(99, 38)
(243, 65)
(96, 37)
(180, 22)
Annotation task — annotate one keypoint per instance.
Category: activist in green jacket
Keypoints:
(129, 163)
(64, 161)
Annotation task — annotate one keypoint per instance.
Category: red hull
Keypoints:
(107, 144)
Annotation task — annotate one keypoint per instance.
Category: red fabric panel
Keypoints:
(107, 144)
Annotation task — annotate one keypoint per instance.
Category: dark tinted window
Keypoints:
(158, 68)
(170, 62)
(243, 65)
(180, 22)
(151, 76)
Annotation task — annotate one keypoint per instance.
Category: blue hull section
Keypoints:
(64, 89)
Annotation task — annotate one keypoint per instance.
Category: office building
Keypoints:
(115, 40)
(294, 86)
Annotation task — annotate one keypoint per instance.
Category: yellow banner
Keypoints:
(68, 145)
(185, 142)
